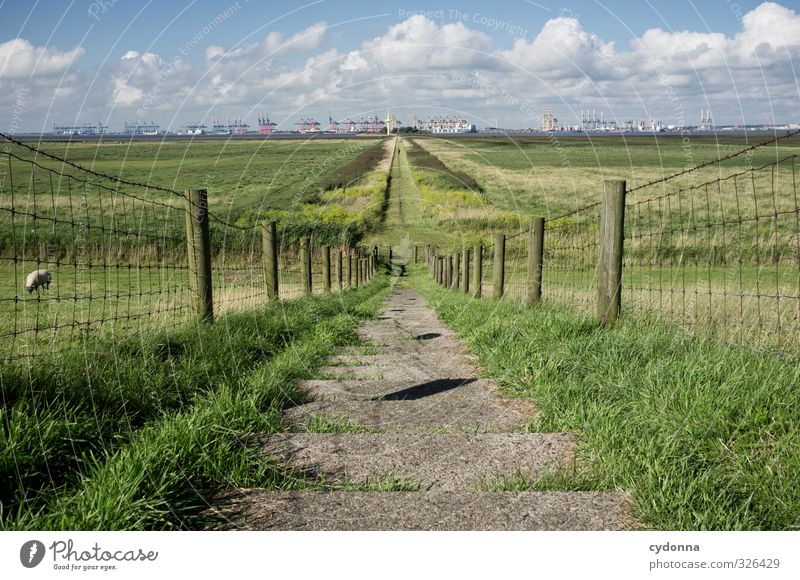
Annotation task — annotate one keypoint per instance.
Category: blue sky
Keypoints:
(162, 27)
(117, 60)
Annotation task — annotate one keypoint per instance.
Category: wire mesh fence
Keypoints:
(83, 254)
(80, 252)
(719, 259)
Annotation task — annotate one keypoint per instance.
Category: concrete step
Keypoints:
(439, 461)
(395, 390)
(426, 360)
(255, 509)
(394, 373)
(439, 414)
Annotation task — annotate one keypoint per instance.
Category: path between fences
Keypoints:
(430, 422)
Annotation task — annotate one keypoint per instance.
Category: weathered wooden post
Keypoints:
(349, 282)
(269, 243)
(326, 268)
(416, 252)
(535, 255)
(465, 271)
(456, 270)
(448, 271)
(305, 264)
(198, 237)
(477, 270)
(338, 269)
(357, 266)
(440, 274)
(612, 234)
(499, 265)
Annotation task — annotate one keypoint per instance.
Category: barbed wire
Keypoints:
(112, 178)
(788, 135)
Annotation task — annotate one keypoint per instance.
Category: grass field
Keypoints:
(711, 251)
(266, 174)
(704, 437)
(132, 435)
(135, 425)
(541, 176)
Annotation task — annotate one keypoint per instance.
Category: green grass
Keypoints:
(701, 436)
(135, 435)
(245, 181)
(239, 174)
(539, 176)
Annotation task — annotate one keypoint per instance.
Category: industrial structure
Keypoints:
(195, 129)
(453, 124)
(308, 126)
(84, 129)
(141, 128)
(265, 126)
(549, 121)
(231, 126)
(590, 121)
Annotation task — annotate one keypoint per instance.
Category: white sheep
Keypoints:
(38, 278)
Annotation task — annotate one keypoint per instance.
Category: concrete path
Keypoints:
(426, 421)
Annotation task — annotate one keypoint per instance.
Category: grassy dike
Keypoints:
(156, 470)
(703, 437)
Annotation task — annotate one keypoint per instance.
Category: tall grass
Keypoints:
(702, 436)
(122, 436)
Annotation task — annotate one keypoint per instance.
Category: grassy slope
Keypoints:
(540, 176)
(702, 436)
(262, 174)
(130, 437)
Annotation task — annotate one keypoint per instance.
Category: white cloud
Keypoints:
(421, 44)
(420, 62)
(300, 41)
(126, 94)
(20, 59)
(563, 49)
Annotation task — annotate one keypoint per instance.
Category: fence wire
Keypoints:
(83, 253)
(721, 258)
(80, 252)
(569, 262)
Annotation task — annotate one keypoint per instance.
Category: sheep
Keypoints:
(38, 278)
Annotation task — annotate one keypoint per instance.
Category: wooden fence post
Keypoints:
(305, 265)
(440, 274)
(198, 238)
(499, 266)
(448, 271)
(456, 270)
(349, 281)
(477, 270)
(357, 267)
(338, 269)
(465, 271)
(326, 268)
(535, 255)
(269, 243)
(416, 252)
(612, 234)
